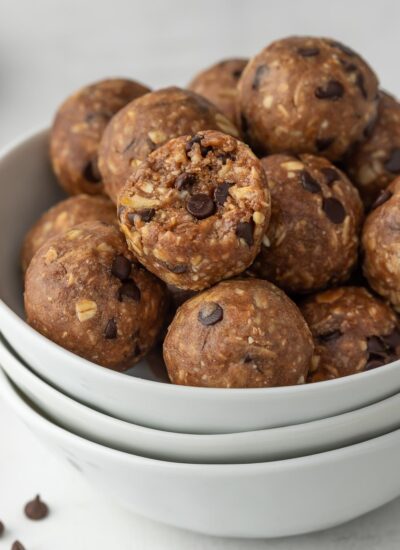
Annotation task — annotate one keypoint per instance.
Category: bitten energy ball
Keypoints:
(85, 291)
(149, 122)
(63, 216)
(352, 331)
(78, 127)
(312, 239)
(306, 95)
(219, 84)
(195, 212)
(376, 161)
(238, 334)
(381, 245)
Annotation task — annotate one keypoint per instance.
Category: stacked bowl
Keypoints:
(261, 462)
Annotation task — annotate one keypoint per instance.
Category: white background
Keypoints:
(50, 47)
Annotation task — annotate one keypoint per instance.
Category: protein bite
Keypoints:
(306, 95)
(381, 245)
(218, 84)
(376, 161)
(312, 238)
(85, 291)
(77, 129)
(238, 334)
(149, 122)
(63, 216)
(195, 212)
(352, 332)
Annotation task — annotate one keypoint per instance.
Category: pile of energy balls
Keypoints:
(255, 214)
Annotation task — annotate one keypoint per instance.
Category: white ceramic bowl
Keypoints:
(28, 188)
(246, 447)
(238, 500)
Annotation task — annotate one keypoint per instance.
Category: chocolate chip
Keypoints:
(361, 84)
(309, 183)
(376, 345)
(393, 339)
(308, 52)
(247, 358)
(226, 156)
(373, 362)
(393, 162)
(332, 90)
(244, 230)
(185, 181)
(331, 175)
(347, 66)
(121, 267)
(237, 73)
(91, 171)
(200, 206)
(36, 509)
(17, 546)
(221, 192)
(129, 289)
(368, 130)
(146, 215)
(197, 139)
(334, 210)
(383, 196)
(343, 48)
(110, 331)
(330, 336)
(210, 314)
(321, 144)
(178, 268)
(259, 74)
(2, 529)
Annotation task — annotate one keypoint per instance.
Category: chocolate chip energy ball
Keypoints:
(77, 130)
(376, 161)
(149, 122)
(352, 331)
(85, 291)
(219, 84)
(195, 212)
(312, 239)
(306, 95)
(238, 334)
(381, 245)
(63, 216)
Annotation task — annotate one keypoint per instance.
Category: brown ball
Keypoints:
(63, 216)
(85, 291)
(218, 84)
(352, 332)
(306, 95)
(376, 162)
(312, 239)
(195, 212)
(381, 245)
(77, 129)
(149, 122)
(238, 334)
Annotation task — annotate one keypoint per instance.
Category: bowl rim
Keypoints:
(109, 374)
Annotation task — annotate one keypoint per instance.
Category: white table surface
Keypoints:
(47, 49)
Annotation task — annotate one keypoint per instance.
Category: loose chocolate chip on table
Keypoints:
(146, 215)
(1, 528)
(383, 196)
(330, 336)
(343, 48)
(36, 509)
(361, 84)
(110, 332)
(221, 192)
(393, 162)
(91, 171)
(210, 314)
(121, 267)
(244, 230)
(129, 289)
(261, 71)
(330, 174)
(322, 144)
(334, 210)
(17, 546)
(309, 183)
(308, 52)
(332, 90)
(200, 206)
(185, 181)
